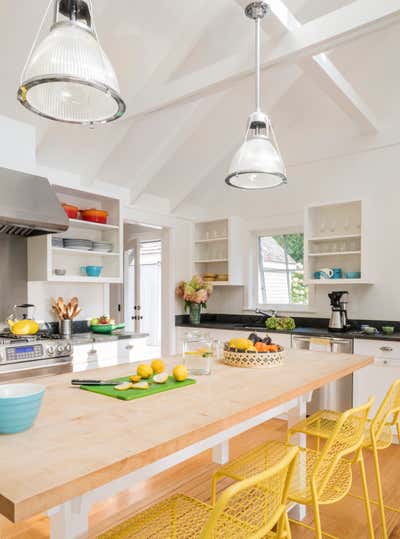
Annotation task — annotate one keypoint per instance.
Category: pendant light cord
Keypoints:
(35, 41)
(258, 64)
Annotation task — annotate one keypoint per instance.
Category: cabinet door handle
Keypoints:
(386, 349)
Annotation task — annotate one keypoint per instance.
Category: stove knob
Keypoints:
(50, 350)
(68, 348)
(60, 349)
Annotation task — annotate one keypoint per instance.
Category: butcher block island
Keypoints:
(85, 447)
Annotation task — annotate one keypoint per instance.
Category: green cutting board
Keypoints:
(131, 394)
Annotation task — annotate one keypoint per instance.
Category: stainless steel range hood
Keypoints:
(28, 205)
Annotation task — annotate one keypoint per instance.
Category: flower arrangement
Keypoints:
(195, 294)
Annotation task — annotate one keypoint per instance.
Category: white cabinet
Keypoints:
(108, 353)
(377, 378)
(218, 251)
(44, 257)
(335, 237)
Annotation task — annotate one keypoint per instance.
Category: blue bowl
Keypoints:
(93, 271)
(19, 406)
(352, 274)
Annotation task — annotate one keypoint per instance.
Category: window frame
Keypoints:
(281, 307)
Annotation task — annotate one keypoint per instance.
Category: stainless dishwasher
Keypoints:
(337, 395)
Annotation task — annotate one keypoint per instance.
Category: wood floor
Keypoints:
(345, 519)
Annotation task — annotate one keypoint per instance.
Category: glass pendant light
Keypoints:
(258, 162)
(67, 76)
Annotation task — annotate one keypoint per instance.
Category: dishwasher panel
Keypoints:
(337, 395)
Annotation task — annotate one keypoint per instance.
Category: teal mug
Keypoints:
(91, 271)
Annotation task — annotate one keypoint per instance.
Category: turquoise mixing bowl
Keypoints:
(19, 406)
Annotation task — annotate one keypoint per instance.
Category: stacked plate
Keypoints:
(102, 246)
(82, 245)
(57, 242)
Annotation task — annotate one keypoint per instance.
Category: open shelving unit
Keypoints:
(217, 250)
(334, 238)
(44, 258)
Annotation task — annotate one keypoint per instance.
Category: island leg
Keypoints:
(296, 414)
(69, 520)
(220, 453)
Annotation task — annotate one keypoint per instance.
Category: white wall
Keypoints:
(93, 298)
(373, 176)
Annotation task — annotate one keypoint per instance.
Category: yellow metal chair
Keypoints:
(249, 509)
(378, 435)
(321, 476)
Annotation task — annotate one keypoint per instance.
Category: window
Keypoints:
(280, 270)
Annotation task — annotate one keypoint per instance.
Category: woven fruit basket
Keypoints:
(253, 360)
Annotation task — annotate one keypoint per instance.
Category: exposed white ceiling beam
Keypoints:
(327, 76)
(317, 36)
(191, 28)
(178, 133)
(287, 79)
(189, 32)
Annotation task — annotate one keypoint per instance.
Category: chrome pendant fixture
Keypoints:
(67, 76)
(258, 162)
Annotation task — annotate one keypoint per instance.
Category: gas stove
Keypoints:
(32, 355)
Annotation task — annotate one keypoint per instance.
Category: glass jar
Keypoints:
(198, 352)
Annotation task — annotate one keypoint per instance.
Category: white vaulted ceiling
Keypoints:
(185, 72)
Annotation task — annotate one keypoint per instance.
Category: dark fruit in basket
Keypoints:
(267, 340)
(253, 337)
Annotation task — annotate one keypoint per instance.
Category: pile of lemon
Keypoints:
(156, 372)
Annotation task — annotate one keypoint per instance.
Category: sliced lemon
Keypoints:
(135, 378)
(124, 386)
(160, 378)
(140, 385)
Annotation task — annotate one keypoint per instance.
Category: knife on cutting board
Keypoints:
(77, 382)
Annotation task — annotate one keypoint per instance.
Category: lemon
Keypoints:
(158, 366)
(180, 373)
(135, 378)
(124, 386)
(140, 385)
(160, 378)
(240, 344)
(144, 371)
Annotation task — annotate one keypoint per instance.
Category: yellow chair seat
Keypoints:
(258, 459)
(322, 423)
(180, 517)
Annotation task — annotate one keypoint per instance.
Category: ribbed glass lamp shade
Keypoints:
(70, 79)
(256, 165)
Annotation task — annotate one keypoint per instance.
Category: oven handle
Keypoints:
(31, 366)
(332, 340)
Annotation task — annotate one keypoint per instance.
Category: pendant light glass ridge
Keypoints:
(257, 164)
(69, 78)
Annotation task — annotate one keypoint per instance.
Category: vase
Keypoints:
(194, 313)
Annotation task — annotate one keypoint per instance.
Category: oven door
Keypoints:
(30, 369)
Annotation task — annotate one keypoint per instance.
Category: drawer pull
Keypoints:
(129, 347)
(386, 349)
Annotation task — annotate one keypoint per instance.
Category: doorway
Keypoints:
(142, 283)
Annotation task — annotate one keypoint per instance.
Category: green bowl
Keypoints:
(106, 328)
(388, 330)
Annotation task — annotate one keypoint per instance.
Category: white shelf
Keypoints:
(79, 223)
(334, 282)
(211, 240)
(65, 250)
(336, 253)
(222, 283)
(341, 237)
(212, 260)
(82, 279)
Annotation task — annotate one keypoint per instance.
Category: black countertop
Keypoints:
(313, 327)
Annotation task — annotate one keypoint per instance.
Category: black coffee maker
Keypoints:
(339, 320)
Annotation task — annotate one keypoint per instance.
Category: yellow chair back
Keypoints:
(389, 410)
(258, 502)
(346, 438)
